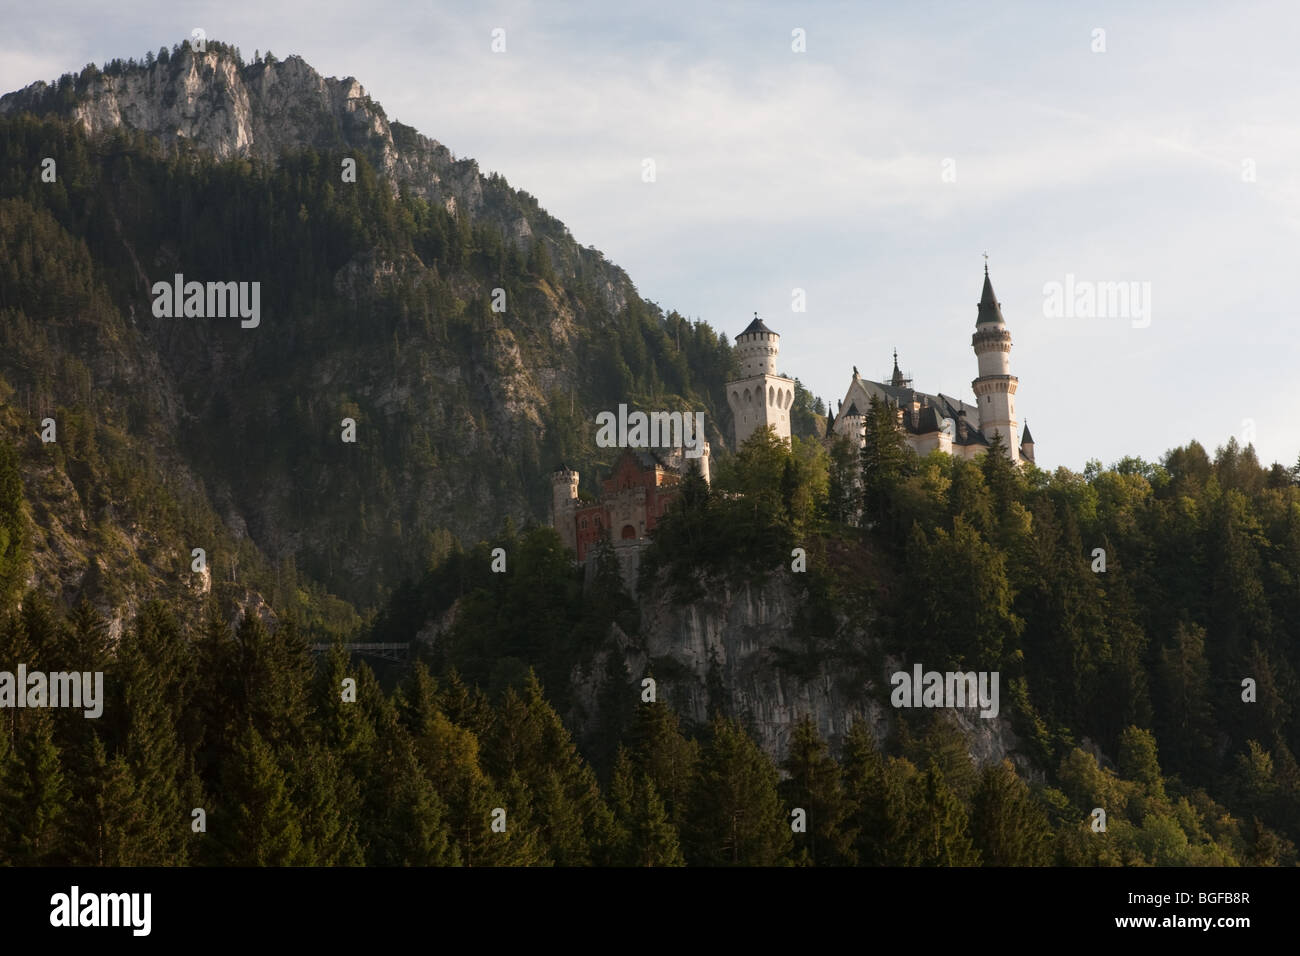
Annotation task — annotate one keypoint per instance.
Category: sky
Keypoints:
(861, 159)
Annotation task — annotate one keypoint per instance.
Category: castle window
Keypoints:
(629, 532)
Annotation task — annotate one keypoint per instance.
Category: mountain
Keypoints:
(379, 302)
(1139, 620)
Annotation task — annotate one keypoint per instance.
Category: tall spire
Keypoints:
(897, 379)
(990, 309)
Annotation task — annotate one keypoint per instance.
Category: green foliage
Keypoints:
(736, 817)
(1136, 664)
(1008, 826)
(814, 785)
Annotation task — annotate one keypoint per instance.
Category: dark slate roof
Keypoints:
(1028, 439)
(756, 326)
(648, 459)
(990, 308)
(927, 421)
(944, 406)
(853, 409)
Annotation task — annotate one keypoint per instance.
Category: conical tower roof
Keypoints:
(990, 309)
(756, 326)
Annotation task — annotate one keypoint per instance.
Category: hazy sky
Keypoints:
(871, 171)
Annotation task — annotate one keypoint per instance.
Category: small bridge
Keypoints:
(387, 652)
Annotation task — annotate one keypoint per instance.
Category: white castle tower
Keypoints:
(760, 397)
(995, 389)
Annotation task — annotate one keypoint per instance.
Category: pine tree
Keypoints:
(659, 749)
(886, 460)
(878, 795)
(403, 823)
(323, 788)
(814, 785)
(1182, 717)
(736, 817)
(644, 834)
(530, 740)
(34, 798)
(13, 527)
(940, 825)
(1007, 827)
(653, 840)
(154, 671)
(256, 823)
(110, 820)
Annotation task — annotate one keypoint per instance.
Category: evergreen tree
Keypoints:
(403, 816)
(886, 461)
(653, 838)
(736, 817)
(110, 820)
(814, 785)
(666, 756)
(13, 529)
(878, 797)
(155, 672)
(256, 823)
(35, 798)
(1007, 827)
(940, 825)
(324, 787)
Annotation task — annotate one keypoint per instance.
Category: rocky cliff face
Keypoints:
(210, 102)
(471, 393)
(740, 645)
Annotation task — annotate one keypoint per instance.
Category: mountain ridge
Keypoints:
(380, 297)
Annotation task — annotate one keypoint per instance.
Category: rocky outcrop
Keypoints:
(739, 645)
(209, 101)
(467, 402)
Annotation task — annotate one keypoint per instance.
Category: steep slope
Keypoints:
(379, 303)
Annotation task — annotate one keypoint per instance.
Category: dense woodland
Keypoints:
(1123, 685)
(1140, 664)
(369, 292)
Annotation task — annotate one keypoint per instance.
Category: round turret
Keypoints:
(756, 349)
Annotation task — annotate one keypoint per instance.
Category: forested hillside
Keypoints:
(1143, 617)
(377, 305)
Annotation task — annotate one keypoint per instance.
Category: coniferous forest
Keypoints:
(1125, 687)
(1143, 616)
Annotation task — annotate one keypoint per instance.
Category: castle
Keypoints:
(643, 483)
(940, 421)
(762, 397)
(633, 498)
